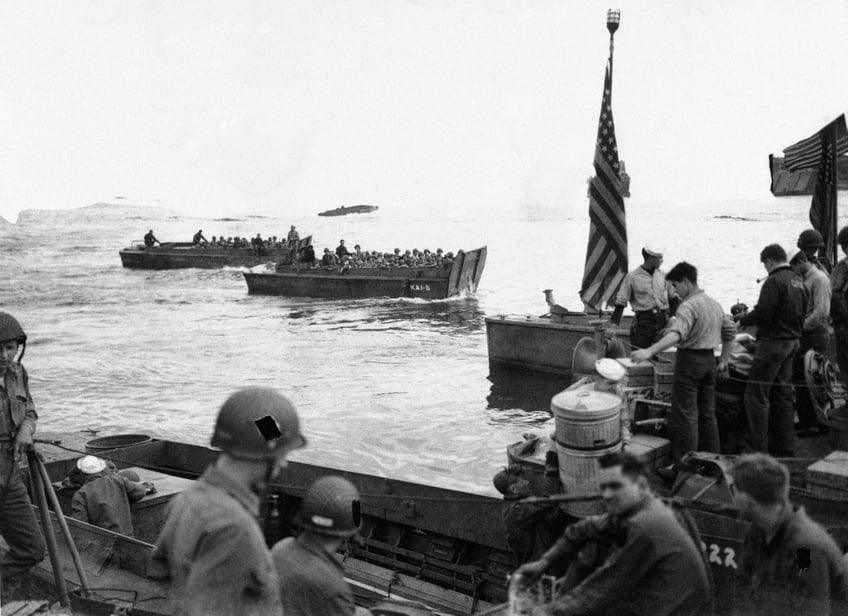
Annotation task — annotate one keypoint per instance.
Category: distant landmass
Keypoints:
(97, 211)
(785, 183)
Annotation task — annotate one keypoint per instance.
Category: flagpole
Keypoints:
(613, 20)
(833, 255)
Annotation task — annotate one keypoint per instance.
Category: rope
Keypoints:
(733, 378)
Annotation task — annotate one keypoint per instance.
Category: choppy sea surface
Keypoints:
(394, 387)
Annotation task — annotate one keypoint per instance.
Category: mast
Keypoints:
(613, 20)
(606, 252)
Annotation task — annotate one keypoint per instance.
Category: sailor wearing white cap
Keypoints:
(650, 297)
(105, 496)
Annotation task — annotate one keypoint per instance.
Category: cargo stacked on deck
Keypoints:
(638, 382)
(663, 376)
(828, 477)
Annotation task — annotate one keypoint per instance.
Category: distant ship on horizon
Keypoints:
(349, 209)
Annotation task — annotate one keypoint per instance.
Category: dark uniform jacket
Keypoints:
(17, 404)
(213, 550)
(104, 500)
(654, 568)
(311, 579)
(799, 572)
(782, 306)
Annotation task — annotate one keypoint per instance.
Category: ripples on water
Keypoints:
(394, 387)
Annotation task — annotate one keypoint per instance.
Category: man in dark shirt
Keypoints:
(794, 566)
(341, 250)
(655, 566)
(779, 317)
(150, 239)
(198, 238)
(311, 580)
(307, 255)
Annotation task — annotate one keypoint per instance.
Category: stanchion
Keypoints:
(63, 524)
(49, 534)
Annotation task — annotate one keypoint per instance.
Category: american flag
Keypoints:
(606, 254)
(823, 206)
(820, 151)
(806, 154)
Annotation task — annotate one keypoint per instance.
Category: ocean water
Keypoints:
(393, 387)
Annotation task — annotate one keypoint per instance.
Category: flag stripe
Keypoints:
(606, 252)
(807, 153)
(823, 205)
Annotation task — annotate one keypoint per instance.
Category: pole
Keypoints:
(49, 534)
(613, 21)
(63, 524)
(833, 252)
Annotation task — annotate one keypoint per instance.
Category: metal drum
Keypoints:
(587, 420)
(588, 426)
(98, 445)
(578, 472)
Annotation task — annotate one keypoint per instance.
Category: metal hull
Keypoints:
(180, 257)
(442, 547)
(538, 343)
(418, 282)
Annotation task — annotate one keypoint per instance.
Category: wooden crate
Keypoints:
(830, 472)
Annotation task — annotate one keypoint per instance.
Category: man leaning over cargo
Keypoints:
(699, 327)
(656, 566)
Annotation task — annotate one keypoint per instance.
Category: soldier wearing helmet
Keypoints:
(310, 575)
(211, 546)
(811, 243)
(815, 335)
(839, 306)
(17, 426)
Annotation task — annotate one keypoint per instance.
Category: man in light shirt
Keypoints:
(699, 327)
(647, 292)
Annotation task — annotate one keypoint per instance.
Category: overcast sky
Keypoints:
(280, 106)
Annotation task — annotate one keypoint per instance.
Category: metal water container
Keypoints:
(588, 426)
(587, 419)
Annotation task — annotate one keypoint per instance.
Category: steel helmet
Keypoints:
(810, 238)
(10, 329)
(842, 237)
(257, 423)
(331, 507)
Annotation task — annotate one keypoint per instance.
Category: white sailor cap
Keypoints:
(91, 465)
(610, 369)
(654, 250)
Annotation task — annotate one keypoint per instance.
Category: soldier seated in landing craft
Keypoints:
(655, 566)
